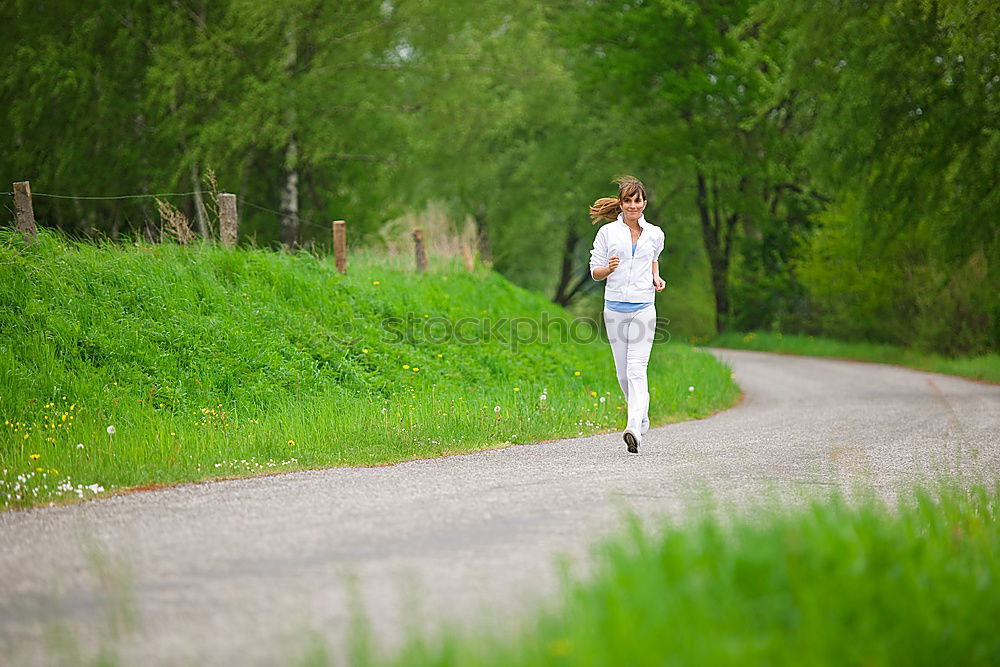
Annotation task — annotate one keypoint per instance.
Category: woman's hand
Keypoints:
(659, 283)
(602, 272)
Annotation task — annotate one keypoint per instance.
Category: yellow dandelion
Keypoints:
(364, 350)
(593, 393)
(39, 469)
(440, 355)
(375, 282)
(576, 372)
(517, 389)
(415, 369)
(172, 433)
(406, 367)
(65, 414)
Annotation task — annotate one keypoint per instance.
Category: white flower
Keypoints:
(496, 409)
(79, 445)
(111, 430)
(691, 388)
(602, 399)
(542, 397)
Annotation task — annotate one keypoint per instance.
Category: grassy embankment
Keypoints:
(829, 584)
(206, 362)
(986, 367)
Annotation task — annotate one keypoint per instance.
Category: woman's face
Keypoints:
(632, 207)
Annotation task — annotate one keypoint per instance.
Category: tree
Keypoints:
(898, 109)
(686, 93)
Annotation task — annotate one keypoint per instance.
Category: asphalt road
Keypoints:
(257, 571)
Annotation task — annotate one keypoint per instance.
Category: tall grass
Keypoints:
(986, 367)
(834, 583)
(208, 362)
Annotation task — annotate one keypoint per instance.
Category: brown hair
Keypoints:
(608, 208)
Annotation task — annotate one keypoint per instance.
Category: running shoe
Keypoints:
(631, 439)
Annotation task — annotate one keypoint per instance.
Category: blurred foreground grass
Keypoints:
(831, 583)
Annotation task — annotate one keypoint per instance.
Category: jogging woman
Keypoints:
(626, 253)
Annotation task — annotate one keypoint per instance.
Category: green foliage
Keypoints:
(897, 107)
(778, 139)
(902, 292)
(767, 287)
(683, 92)
(834, 582)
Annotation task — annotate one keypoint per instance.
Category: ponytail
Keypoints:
(608, 208)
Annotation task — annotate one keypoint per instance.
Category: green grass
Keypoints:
(211, 363)
(831, 583)
(986, 367)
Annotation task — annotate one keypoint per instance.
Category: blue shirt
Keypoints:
(625, 306)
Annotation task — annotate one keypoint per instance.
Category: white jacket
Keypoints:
(633, 279)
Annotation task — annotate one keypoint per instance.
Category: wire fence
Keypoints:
(403, 237)
(303, 221)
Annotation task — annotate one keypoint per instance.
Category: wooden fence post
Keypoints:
(340, 245)
(418, 248)
(228, 219)
(24, 212)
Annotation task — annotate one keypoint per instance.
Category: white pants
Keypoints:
(631, 338)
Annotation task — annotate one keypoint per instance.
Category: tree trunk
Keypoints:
(200, 215)
(717, 231)
(85, 219)
(482, 235)
(290, 197)
(564, 293)
(290, 191)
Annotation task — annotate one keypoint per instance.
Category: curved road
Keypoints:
(253, 571)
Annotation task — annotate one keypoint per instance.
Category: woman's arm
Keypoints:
(599, 259)
(602, 272)
(658, 282)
